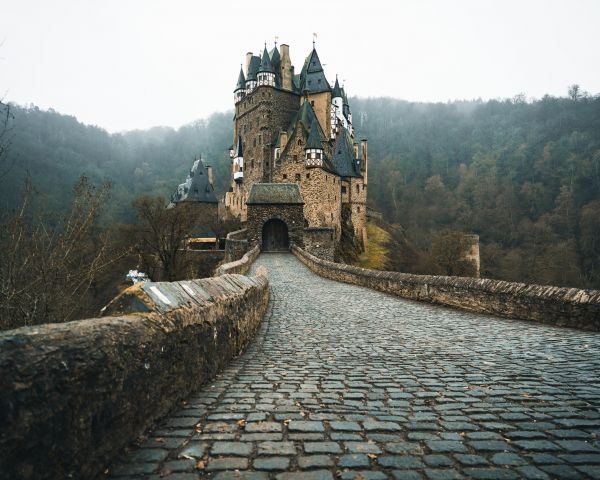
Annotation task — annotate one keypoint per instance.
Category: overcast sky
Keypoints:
(127, 64)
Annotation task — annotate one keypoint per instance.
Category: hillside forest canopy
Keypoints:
(523, 175)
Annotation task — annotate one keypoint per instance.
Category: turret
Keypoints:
(313, 151)
(346, 107)
(238, 162)
(276, 62)
(266, 73)
(336, 93)
(252, 70)
(337, 103)
(240, 88)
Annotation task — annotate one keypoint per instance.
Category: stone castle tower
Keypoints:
(296, 129)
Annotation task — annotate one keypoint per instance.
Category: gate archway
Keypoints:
(275, 236)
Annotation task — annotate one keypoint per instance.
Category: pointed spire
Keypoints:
(314, 63)
(314, 139)
(241, 83)
(265, 64)
(275, 58)
(238, 149)
(337, 91)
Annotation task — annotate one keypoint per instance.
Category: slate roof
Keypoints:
(314, 139)
(307, 117)
(312, 76)
(196, 187)
(343, 156)
(241, 83)
(265, 63)
(275, 58)
(253, 67)
(275, 193)
(337, 91)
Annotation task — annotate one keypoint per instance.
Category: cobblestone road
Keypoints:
(345, 382)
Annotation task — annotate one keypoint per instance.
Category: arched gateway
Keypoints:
(275, 216)
(275, 236)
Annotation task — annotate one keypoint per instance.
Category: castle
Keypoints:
(294, 150)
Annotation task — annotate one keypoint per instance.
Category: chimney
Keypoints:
(248, 58)
(364, 159)
(209, 172)
(287, 71)
(283, 139)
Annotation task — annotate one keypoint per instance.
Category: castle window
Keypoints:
(254, 142)
(332, 217)
(299, 141)
(357, 188)
(285, 176)
(357, 209)
(325, 177)
(251, 163)
(312, 103)
(297, 177)
(295, 157)
(307, 176)
(343, 190)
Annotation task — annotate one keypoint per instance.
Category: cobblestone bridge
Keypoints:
(345, 382)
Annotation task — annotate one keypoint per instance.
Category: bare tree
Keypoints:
(162, 238)
(48, 265)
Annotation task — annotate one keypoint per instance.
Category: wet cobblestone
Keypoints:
(345, 382)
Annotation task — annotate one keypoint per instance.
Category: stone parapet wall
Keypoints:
(236, 245)
(320, 242)
(74, 394)
(567, 307)
(240, 266)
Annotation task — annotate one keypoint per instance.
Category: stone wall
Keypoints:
(259, 118)
(568, 307)
(240, 266)
(236, 245)
(259, 214)
(320, 242)
(320, 189)
(74, 394)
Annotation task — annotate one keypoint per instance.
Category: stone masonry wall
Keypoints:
(259, 118)
(320, 189)
(74, 394)
(568, 307)
(236, 245)
(240, 266)
(292, 215)
(320, 242)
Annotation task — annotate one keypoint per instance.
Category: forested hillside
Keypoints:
(56, 150)
(525, 176)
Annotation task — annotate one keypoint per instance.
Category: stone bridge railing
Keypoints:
(240, 266)
(569, 307)
(74, 394)
(236, 245)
